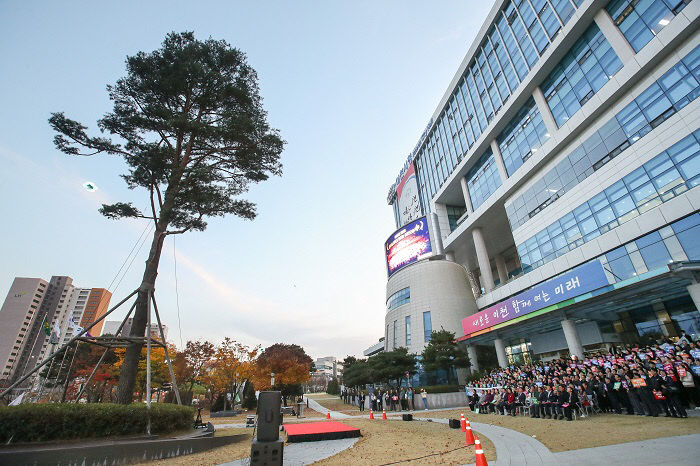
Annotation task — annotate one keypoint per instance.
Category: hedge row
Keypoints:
(54, 421)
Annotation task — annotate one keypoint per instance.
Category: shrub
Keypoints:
(57, 421)
(333, 387)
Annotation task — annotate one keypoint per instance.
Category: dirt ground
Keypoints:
(428, 442)
(425, 442)
(593, 431)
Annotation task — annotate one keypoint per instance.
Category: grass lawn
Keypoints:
(388, 441)
(595, 431)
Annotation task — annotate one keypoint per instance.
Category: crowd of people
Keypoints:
(402, 399)
(663, 378)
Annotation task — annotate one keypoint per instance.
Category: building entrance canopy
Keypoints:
(602, 305)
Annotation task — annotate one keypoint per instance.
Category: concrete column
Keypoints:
(664, 319)
(546, 113)
(572, 340)
(482, 255)
(473, 360)
(499, 161)
(450, 256)
(500, 352)
(612, 33)
(436, 236)
(465, 193)
(502, 269)
(694, 291)
(469, 266)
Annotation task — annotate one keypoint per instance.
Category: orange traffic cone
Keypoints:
(464, 424)
(371, 414)
(328, 416)
(384, 414)
(480, 457)
(470, 434)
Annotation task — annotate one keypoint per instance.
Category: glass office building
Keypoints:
(569, 143)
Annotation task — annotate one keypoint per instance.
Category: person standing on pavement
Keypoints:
(424, 396)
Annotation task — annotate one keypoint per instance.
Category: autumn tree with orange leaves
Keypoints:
(232, 364)
(291, 366)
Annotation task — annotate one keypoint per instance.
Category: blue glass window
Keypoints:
(408, 331)
(454, 214)
(523, 135)
(564, 9)
(653, 250)
(520, 34)
(513, 50)
(483, 179)
(587, 66)
(399, 298)
(660, 179)
(395, 330)
(620, 264)
(504, 60)
(671, 92)
(427, 327)
(640, 21)
(687, 231)
(547, 16)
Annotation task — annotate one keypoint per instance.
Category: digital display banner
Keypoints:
(407, 245)
(585, 278)
(407, 197)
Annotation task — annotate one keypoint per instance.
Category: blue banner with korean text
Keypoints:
(582, 279)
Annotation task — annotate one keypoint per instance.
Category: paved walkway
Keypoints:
(512, 447)
(316, 406)
(677, 451)
(300, 454)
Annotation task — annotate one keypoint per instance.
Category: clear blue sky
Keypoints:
(350, 85)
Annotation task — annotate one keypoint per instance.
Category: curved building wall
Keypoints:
(440, 287)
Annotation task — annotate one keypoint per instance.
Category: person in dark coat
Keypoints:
(670, 390)
(612, 396)
(553, 399)
(570, 404)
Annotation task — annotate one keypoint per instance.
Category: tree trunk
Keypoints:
(129, 370)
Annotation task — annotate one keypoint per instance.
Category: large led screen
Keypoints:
(407, 197)
(407, 245)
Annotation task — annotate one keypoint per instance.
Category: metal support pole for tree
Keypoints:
(167, 355)
(148, 361)
(58, 373)
(94, 371)
(48, 373)
(51, 358)
(70, 368)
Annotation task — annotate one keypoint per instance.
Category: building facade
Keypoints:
(329, 366)
(38, 317)
(558, 178)
(17, 316)
(111, 327)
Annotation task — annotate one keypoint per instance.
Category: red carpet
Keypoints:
(314, 431)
